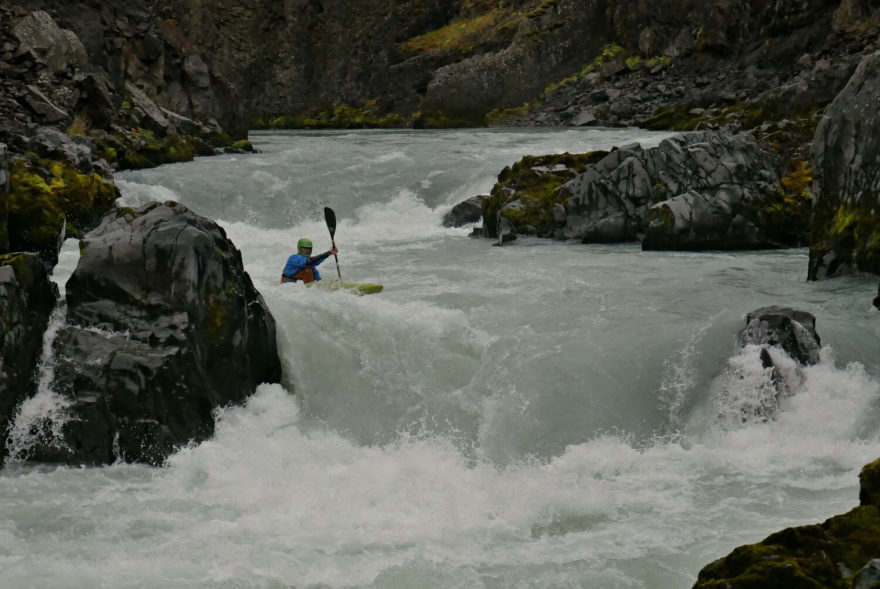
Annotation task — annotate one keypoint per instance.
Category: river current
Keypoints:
(542, 414)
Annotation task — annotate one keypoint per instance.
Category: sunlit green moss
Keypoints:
(46, 194)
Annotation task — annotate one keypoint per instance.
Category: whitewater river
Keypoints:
(535, 415)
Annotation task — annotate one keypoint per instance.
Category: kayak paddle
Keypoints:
(330, 219)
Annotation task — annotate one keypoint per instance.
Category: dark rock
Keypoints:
(164, 327)
(839, 553)
(27, 298)
(846, 187)
(696, 191)
(465, 213)
(4, 199)
(877, 298)
(41, 38)
(789, 329)
(869, 480)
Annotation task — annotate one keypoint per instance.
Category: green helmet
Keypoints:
(304, 242)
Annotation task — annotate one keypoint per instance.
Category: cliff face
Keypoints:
(461, 59)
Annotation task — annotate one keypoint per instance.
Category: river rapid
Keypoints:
(542, 414)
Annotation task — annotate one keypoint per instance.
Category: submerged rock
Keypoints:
(164, 327)
(27, 298)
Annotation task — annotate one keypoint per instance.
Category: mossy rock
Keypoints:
(783, 215)
(435, 119)
(869, 479)
(47, 194)
(527, 193)
(853, 234)
(340, 116)
(811, 557)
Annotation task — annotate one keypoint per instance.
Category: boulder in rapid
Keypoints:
(164, 327)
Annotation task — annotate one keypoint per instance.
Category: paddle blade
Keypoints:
(330, 218)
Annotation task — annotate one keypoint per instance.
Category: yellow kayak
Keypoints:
(359, 288)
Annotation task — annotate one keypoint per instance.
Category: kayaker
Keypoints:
(303, 265)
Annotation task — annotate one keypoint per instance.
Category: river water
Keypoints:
(541, 414)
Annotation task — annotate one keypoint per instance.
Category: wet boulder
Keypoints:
(789, 329)
(27, 298)
(164, 327)
(775, 345)
(465, 213)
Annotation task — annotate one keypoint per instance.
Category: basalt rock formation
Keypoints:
(846, 150)
(163, 327)
(698, 191)
(27, 298)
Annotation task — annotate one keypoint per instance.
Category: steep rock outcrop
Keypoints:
(27, 298)
(839, 553)
(164, 326)
(845, 235)
(4, 198)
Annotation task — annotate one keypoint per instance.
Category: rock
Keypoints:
(40, 37)
(703, 190)
(585, 118)
(27, 298)
(4, 198)
(869, 576)
(465, 213)
(164, 327)
(505, 230)
(44, 108)
(720, 186)
(146, 113)
(838, 553)
(50, 143)
(789, 329)
(877, 298)
(869, 484)
(525, 193)
(846, 188)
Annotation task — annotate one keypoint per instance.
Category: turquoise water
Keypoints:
(537, 415)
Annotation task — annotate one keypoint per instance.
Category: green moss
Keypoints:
(498, 116)
(20, 267)
(869, 479)
(462, 35)
(434, 119)
(853, 232)
(527, 193)
(608, 53)
(814, 556)
(341, 116)
(675, 117)
(46, 193)
(783, 215)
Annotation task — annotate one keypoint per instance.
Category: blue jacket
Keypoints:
(300, 267)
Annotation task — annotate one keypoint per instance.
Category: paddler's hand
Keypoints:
(334, 250)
